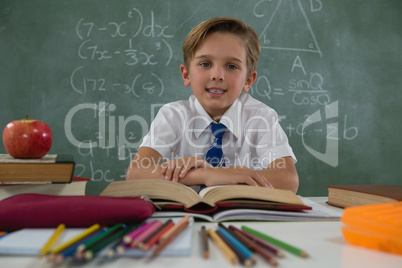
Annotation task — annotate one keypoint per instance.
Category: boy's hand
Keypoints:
(235, 175)
(178, 168)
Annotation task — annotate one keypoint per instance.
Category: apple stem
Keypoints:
(27, 117)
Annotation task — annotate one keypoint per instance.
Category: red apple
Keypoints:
(27, 138)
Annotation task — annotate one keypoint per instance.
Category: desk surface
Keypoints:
(323, 241)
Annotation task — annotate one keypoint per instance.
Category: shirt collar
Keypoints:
(231, 119)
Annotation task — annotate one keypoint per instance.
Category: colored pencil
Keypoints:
(255, 247)
(75, 239)
(128, 238)
(243, 256)
(204, 239)
(236, 242)
(120, 249)
(152, 227)
(260, 242)
(149, 243)
(79, 254)
(276, 242)
(171, 230)
(117, 235)
(226, 250)
(150, 237)
(164, 243)
(95, 239)
(69, 251)
(52, 239)
(112, 251)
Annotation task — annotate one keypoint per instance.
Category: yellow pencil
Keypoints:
(52, 239)
(226, 250)
(75, 239)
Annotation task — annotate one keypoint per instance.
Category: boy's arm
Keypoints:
(280, 174)
(146, 164)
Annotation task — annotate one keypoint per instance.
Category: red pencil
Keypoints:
(151, 228)
(180, 227)
(154, 239)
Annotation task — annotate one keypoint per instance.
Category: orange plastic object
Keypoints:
(374, 226)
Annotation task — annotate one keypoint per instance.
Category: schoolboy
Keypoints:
(220, 59)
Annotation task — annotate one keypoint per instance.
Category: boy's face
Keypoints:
(218, 72)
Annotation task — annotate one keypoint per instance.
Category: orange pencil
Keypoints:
(176, 232)
(150, 243)
(171, 230)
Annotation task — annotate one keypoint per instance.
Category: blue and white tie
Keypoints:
(214, 155)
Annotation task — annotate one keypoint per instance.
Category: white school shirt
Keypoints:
(253, 137)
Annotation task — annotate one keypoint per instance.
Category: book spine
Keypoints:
(66, 158)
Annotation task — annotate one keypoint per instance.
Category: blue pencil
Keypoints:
(244, 254)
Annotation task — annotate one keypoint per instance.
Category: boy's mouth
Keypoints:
(216, 92)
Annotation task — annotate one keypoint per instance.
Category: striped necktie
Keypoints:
(214, 155)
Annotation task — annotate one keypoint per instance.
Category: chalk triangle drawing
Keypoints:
(289, 29)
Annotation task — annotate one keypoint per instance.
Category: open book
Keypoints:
(175, 196)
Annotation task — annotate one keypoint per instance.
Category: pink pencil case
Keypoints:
(48, 211)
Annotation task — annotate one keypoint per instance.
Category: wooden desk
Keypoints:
(323, 241)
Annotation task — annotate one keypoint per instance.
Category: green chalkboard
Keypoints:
(98, 71)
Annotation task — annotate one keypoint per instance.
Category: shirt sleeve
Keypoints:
(267, 138)
(166, 131)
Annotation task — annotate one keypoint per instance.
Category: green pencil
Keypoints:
(276, 242)
(90, 253)
(92, 241)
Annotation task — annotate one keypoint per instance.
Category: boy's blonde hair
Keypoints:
(223, 25)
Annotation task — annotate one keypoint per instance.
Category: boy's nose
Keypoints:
(217, 74)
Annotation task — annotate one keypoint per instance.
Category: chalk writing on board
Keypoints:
(309, 91)
(90, 50)
(298, 34)
(130, 28)
(149, 84)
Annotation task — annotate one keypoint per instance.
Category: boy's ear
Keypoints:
(249, 82)
(185, 74)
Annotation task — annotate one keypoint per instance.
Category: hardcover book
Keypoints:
(222, 203)
(51, 168)
(357, 195)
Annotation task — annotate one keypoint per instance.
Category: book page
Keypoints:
(154, 189)
(49, 158)
(227, 192)
(205, 190)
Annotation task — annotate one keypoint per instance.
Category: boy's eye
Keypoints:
(205, 64)
(232, 67)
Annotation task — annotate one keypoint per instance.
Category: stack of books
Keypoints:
(374, 226)
(51, 174)
(51, 168)
(221, 203)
